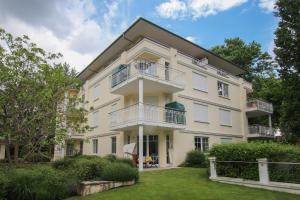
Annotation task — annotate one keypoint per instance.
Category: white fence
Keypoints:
(261, 130)
(150, 69)
(287, 173)
(259, 105)
(151, 113)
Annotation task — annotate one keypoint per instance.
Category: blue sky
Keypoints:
(81, 29)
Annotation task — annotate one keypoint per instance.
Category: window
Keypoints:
(95, 119)
(226, 140)
(95, 146)
(128, 139)
(113, 145)
(201, 143)
(70, 149)
(199, 82)
(200, 113)
(167, 71)
(225, 117)
(223, 89)
(96, 92)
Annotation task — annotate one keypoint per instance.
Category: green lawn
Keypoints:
(185, 183)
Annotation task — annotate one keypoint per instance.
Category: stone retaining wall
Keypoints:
(91, 187)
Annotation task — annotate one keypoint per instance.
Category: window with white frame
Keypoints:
(128, 139)
(225, 117)
(95, 119)
(95, 146)
(199, 82)
(114, 145)
(96, 92)
(201, 143)
(226, 140)
(223, 89)
(200, 112)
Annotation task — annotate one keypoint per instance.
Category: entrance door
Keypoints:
(150, 146)
(153, 146)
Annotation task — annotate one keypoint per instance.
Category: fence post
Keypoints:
(213, 170)
(263, 171)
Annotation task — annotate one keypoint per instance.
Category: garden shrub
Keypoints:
(119, 172)
(3, 184)
(60, 179)
(250, 152)
(63, 163)
(126, 161)
(38, 157)
(88, 169)
(194, 159)
(41, 183)
(110, 157)
(82, 167)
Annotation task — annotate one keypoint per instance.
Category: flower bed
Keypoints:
(62, 178)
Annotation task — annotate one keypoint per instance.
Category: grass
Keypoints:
(184, 183)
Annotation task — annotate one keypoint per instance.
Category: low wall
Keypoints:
(274, 186)
(91, 187)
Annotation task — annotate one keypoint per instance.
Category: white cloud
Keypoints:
(267, 5)
(173, 9)
(176, 9)
(70, 27)
(179, 9)
(203, 8)
(271, 48)
(191, 38)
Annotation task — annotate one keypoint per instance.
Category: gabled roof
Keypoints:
(144, 28)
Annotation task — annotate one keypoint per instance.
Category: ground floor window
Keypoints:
(95, 146)
(201, 143)
(113, 144)
(226, 140)
(128, 139)
(70, 149)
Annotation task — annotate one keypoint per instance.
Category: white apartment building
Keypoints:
(165, 95)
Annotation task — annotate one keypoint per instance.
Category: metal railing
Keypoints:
(259, 105)
(261, 130)
(151, 113)
(261, 170)
(149, 69)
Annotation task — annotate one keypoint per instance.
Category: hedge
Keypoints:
(250, 152)
(40, 183)
(119, 172)
(195, 159)
(60, 179)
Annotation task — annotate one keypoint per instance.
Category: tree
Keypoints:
(287, 50)
(269, 89)
(34, 113)
(248, 56)
(260, 71)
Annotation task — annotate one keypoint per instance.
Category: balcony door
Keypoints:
(151, 109)
(150, 146)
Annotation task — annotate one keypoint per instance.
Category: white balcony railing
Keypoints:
(149, 69)
(261, 131)
(255, 104)
(151, 114)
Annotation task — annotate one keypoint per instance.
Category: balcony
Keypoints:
(257, 108)
(124, 79)
(149, 115)
(256, 131)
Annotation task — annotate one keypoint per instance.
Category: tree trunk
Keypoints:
(7, 151)
(16, 153)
